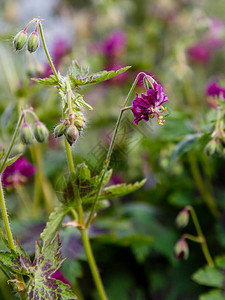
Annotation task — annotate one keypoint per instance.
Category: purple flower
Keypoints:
(150, 105)
(18, 172)
(114, 44)
(200, 53)
(215, 90)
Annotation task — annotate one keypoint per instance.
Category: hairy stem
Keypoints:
(47, 52)
(84, 232)
(110, 150)
(12, 142)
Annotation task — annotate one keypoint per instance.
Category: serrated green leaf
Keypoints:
(83, 78)
(47, 261)
(51, 80)
(54, 221)
(116, 191)
(12, 260)
(209, 276)
(76, 70)
(212, 295)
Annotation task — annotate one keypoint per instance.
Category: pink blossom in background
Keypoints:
(17, 173)
(119, 79)
(202, 52)
(114, 45)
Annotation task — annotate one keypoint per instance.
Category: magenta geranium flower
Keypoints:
(114, 44)
(215, 90)
(18, 172)
(150, 105)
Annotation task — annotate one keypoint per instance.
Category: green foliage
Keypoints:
(80, 76)
(51, 80)
(47, 261)
(209, 276)
(54, 221)
(11, 160)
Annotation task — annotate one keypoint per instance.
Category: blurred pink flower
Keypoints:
(18, 172)
(202, 52)
(114, 44)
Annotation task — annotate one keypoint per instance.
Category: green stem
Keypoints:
(69, 93)
(92, 264)
(206, 196)
(12, 142)
(204, 246)
(84, 233)
(47, 52)
(110, 150)
(196, 239)
(69, 157)
(5, 217)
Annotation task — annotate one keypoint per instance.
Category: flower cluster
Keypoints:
(150, 105)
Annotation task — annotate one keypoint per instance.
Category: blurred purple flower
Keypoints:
(202, 52)
(114, 45)
(18, 172)
(59, 276)
(215, 90)
(150, 105)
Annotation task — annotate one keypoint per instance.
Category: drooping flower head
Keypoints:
(150, 105)
(18, 172)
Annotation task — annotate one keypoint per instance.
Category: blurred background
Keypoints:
(179, 43)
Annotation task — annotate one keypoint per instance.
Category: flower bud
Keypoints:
(26, 134)
(79, 124)
(181, 249)
(182, 218)
(71, 134)
(33, 42)
(210, 147)
(20, 40)
(40, 132)
(59, 130)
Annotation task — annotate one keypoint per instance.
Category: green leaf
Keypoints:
(116, 191)
(80, 76)
(13, 261)
(78, 100)
(212, 295)
(11, 160)
(47, 261)
(55, 219)
(186, 144)
(209, 276)
(4, 238)
(51, 80)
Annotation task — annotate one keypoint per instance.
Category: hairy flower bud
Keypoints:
(181, 249)
(33, 42)
(40, 132)
(79, 124)
(59, 130)
(26, 134)
(20, 40)
(182, 218)
(148, 82)
(71, 134)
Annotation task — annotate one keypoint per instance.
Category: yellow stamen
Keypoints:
(152, 109)
(164, 109)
